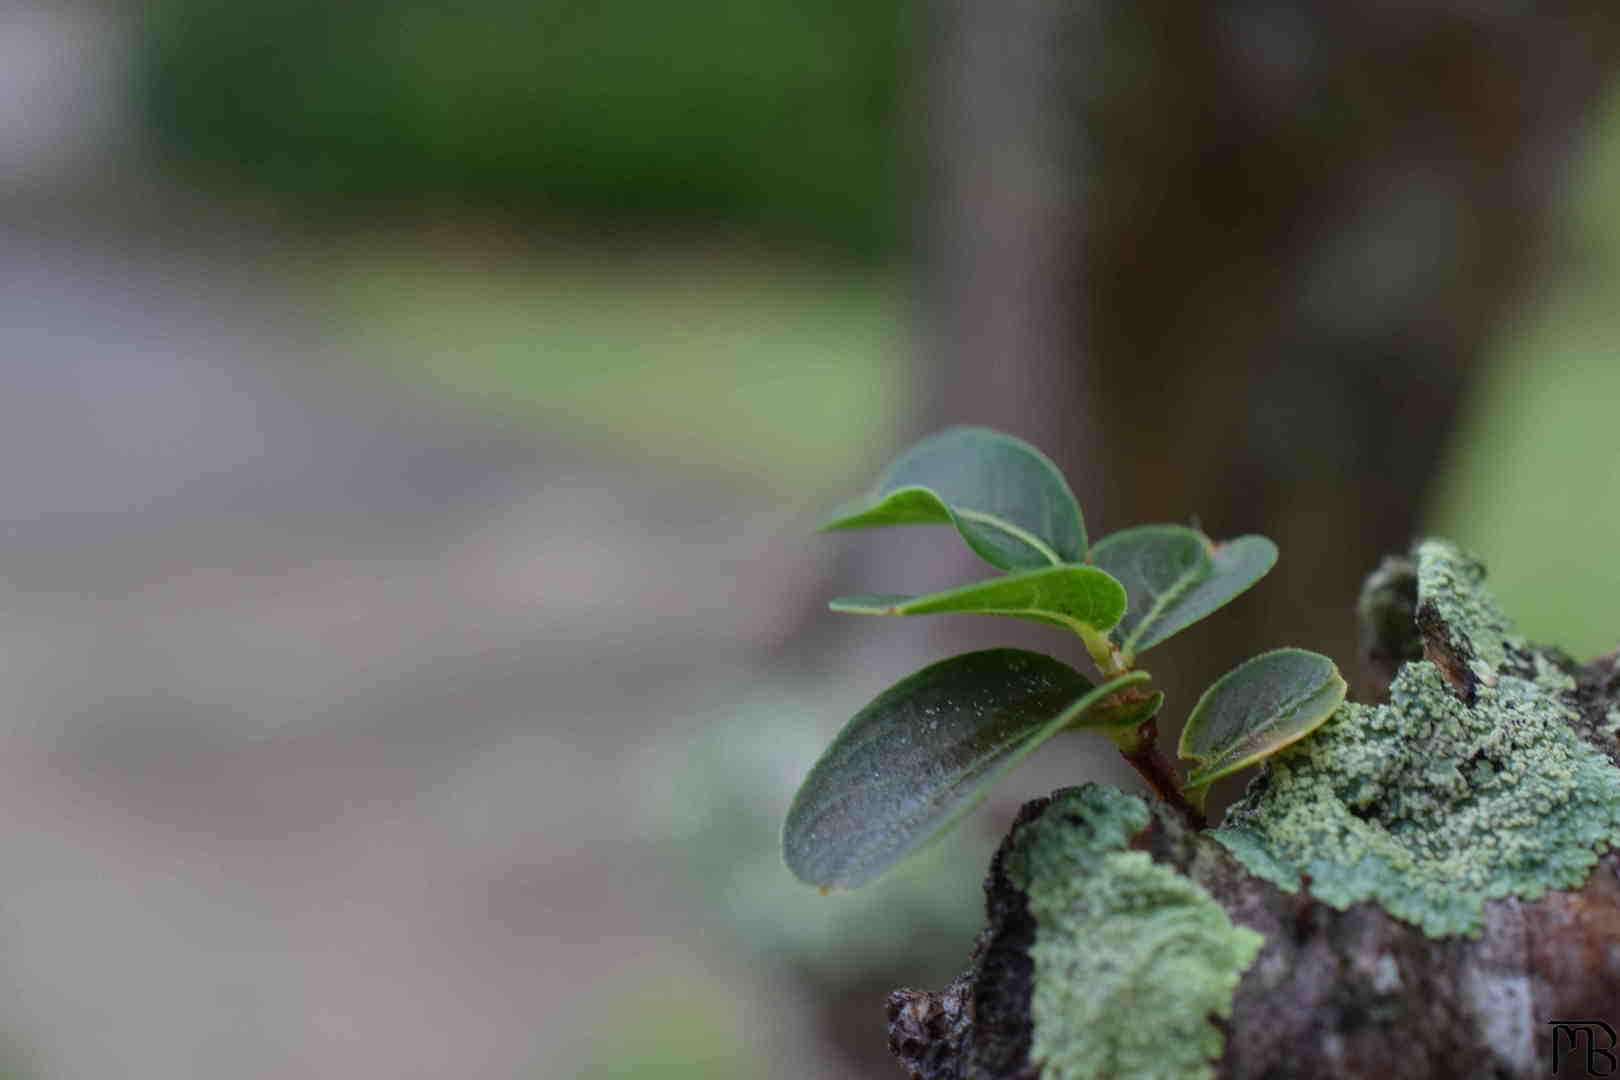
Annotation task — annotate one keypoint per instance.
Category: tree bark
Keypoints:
(1320, 1001)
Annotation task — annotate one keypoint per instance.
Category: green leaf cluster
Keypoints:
(927, 749)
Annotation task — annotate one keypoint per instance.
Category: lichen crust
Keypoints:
(1132, 959)
(1454, 583)
(1431, 806)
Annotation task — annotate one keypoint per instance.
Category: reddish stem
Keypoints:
(1160, 775)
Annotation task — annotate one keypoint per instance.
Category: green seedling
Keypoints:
(927, 750)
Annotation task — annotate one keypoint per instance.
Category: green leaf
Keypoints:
(1006, 498)
(1079, 598)
(1258, 708)
(1158, 565)
(1174, 577)
(1125, 715)
(923, 753)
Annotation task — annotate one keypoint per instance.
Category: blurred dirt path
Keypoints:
(316, 706)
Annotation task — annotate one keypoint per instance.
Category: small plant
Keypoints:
(928, 749)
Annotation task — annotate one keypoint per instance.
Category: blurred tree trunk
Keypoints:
(1236, 262)
(1308, 219)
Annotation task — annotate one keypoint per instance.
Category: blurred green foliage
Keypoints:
(684, 1030)
(1534, 484)
(765, 371)
(773, 116)
(711, 802)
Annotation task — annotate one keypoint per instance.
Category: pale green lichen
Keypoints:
(1131, 958)
(1454, 584)
(1431, 806)
(1552, 678)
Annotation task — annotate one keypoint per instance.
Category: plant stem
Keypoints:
(1103, 654)
(1146, 758)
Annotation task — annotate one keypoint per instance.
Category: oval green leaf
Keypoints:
(1258, 708)
(1079, 598)
(1125, 714)
(1158, 565)
(1007, 500)
(923, 753)
(1174, 577)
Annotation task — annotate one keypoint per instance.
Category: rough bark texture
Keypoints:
(1352, 993)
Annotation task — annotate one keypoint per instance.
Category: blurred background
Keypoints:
(416, 415)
